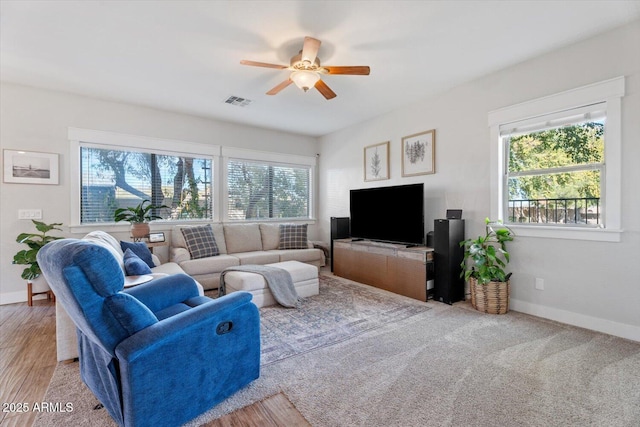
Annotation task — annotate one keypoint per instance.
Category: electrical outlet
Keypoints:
(29, 213)
(539, 284)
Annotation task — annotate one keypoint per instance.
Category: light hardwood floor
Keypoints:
(28, 359)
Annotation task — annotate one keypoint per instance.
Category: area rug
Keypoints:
(341, 311)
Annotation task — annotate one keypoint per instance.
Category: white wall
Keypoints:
(590, 284)
(38, 120)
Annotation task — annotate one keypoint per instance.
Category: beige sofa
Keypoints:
(247, 243)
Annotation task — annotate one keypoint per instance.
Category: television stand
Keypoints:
(392, 267)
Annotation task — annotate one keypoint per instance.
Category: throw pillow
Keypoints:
(200, 241)
(133, 265)
(293, 236)
(140, 249)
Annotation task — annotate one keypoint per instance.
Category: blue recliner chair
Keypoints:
(157, 354)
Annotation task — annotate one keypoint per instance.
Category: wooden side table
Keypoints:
(155, 245)
(50, 295)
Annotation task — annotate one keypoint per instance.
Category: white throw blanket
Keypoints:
(279, 281)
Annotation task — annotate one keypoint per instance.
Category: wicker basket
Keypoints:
(492, 298)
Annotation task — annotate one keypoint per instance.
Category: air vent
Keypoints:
(236, 100)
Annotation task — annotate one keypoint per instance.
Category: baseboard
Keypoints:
(16, 297)
(622, 330)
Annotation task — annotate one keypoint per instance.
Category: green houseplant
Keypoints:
(483, 266)
(35, 241)
(138, 216)
(36, 284)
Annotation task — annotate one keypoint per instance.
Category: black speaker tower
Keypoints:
(447, 235)
(339, 230)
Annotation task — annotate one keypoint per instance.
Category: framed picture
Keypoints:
(30, 167)
(156, 237)
(419, 153)
(376, 162)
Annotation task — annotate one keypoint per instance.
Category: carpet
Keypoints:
(447, 366)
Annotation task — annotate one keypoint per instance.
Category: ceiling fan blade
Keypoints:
(325, 90)
(281, 86)
(354, 70)
(310, 49)
(263, 64)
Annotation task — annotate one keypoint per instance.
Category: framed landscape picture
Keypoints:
(419, 153)
(376, 162)
(30, 167)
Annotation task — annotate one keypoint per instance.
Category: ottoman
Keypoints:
(305, 280)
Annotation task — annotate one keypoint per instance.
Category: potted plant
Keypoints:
(483, 264)
(36, 284)
(138, 216)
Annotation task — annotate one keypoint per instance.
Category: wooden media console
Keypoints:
(392, 267)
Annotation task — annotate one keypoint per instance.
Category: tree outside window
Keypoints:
(265, 190)
(114, 179)
(554, 174)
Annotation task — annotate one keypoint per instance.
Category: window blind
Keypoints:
(115, 178)
(260, 189)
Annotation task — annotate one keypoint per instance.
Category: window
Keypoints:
(556, 164)
(258, 190)
(196, 181)
(555, 168)
(267, 185)
(115, 171)
(113, 178)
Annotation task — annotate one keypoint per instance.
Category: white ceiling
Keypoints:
(185, 56)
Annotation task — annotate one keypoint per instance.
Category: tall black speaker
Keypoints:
(339, 230)
(447, 235)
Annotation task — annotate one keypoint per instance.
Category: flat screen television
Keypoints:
(388, 214)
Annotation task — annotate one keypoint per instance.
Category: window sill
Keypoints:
(569, 233)
(123, 227)
(167, 225)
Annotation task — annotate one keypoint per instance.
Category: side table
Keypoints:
(50, 295)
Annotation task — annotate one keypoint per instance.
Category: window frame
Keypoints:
(111, 140)
(609, 93)
(275, 159)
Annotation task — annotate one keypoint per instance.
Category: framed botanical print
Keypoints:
(419, 153)
(376, 162)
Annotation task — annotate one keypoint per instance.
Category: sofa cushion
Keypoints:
(257, 257)
(302, 255)
(270, 236)
(242, 238)
(200, 241)
(140, 249)
(133, 265)
(293, 236)
(210, 265)
(168, 268)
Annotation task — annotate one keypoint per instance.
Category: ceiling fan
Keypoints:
(306, 70)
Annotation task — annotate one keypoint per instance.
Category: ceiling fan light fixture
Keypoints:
(305, 80)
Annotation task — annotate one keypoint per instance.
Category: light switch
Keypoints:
(29, 213)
